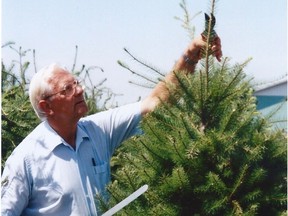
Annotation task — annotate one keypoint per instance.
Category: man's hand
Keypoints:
(197, 46)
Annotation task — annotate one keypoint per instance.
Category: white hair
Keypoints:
(40, 87)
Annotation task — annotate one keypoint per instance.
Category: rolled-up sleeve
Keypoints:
(116, 124)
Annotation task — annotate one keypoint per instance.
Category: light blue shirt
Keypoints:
(45, 176)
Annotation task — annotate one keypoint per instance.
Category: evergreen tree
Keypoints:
(208, 154)
(17, 115)
(207, 151)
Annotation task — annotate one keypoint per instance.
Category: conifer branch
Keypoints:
(149, 163)
(144, 64)
(185, 89)
(157, 170)
(201, 99)
(14, 79)
(186, 21)
(142, 85)
(179, 176)
(186, 124)
(271, 114)
(75, 58)
(114, 194)
(158, 136)
(244, 123)
(209, 39)
(172, 139)
(131, 182)
(34, 60)
(237, 208)
(131, 162)
(147, 174)
(136, 73)
(239, 181)
(150, 150)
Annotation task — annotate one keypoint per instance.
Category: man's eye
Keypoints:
(68, 87)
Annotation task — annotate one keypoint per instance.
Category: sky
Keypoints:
(148, 29)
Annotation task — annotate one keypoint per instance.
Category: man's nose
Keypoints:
(79, 89)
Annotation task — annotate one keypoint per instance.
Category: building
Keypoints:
(272, 102)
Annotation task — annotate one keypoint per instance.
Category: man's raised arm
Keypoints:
(186, 63)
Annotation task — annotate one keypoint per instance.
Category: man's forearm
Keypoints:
(186, 63)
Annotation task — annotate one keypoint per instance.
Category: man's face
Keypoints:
(67, 100)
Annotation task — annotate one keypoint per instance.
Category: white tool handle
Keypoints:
(126, 201)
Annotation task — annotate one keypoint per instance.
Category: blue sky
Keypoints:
(101, 29)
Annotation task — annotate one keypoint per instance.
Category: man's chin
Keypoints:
(82, 111)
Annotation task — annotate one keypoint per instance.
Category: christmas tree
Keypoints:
(207, 151)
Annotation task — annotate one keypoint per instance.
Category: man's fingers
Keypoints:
(217, 48)
(217, 52)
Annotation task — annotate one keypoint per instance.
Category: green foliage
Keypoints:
(18, 117)
(206, 152)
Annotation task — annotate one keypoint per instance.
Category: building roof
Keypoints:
(275, 88)
(272, 102)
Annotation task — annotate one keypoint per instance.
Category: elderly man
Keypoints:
(61, 166)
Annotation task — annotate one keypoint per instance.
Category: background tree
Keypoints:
(17, 114)
(206, 152)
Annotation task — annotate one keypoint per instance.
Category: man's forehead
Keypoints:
(61, 72)
(61, 76)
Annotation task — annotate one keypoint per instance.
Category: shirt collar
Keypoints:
(52, 138)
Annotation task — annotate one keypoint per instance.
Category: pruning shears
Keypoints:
(213, 33)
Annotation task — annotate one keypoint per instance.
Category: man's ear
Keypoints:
(45, 107)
